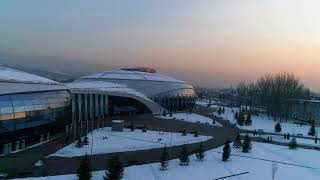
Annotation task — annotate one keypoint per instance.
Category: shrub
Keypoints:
(277, 127)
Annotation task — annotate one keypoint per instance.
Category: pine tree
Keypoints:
(312, 130)
(246, 147)
(240, 119)
(236, 116)
(196, 134)
(226, 151)
(277, 127)
(164, 159)
(248, 121)
(184, 157)
(84, 171)
(184, 132)
(115, 169)
(200, 153)
(219, 111)
(293, 143)
(85, 140)
(237, 142)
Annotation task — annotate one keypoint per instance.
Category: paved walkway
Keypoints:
(60, 165)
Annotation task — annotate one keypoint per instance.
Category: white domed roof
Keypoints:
(103, 86)
(12, 75)
(132, 75)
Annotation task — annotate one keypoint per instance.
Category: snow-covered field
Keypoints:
(292, 164)
(194, 118)
(107, 141)
(267, 124)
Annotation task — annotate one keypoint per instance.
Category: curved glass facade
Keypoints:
(176, 100)
(22, 111)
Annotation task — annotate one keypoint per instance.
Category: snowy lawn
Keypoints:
(289, 164)
(194, 118)
(267, 124)
(107, 141)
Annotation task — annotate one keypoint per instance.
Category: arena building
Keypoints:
(33, 108)
(29, 106)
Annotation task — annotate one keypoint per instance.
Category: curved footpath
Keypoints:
(61, 165)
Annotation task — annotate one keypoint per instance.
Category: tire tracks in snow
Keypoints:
(228, 170)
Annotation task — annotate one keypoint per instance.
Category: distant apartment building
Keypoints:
(306, 110)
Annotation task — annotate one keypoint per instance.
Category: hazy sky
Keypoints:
(207, 42)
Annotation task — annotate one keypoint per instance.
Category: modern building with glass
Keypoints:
(305, 110)
(33, 109)
(169, 93)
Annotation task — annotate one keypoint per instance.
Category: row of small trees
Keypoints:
(246, 146)
(242, 120)
(183, 157)
(115, 168)
(114, 171)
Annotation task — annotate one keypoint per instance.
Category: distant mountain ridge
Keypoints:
(55, 68)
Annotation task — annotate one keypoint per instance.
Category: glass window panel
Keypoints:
(19, 109)
(6, 110)
(6, 116)
(5, 103)
(4, 98)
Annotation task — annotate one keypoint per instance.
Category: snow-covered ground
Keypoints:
(292, 164)
(107, 141)
(194, 118)
(265, 123)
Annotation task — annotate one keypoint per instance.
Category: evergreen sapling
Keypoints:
(84, 171)
(200, 153)
(184, 157)
(164, 159)
(226, 151)
(114, 170)
(247, 146)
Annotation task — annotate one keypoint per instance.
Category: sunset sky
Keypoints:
(208, 42)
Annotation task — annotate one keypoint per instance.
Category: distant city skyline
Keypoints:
(209, 43)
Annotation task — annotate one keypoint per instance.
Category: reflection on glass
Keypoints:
(21, 111)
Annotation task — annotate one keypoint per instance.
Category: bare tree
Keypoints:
(273, 92)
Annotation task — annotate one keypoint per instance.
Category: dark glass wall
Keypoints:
(23, 111)
(124, 106)
(177, 100)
